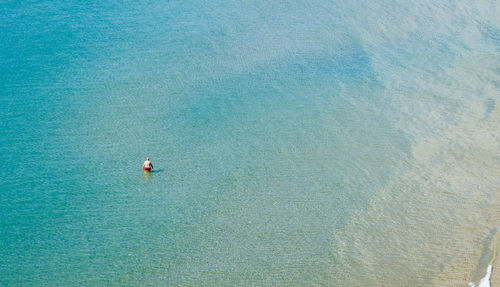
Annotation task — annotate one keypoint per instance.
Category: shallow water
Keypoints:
(307, 143)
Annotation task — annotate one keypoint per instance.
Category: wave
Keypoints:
(486, 281)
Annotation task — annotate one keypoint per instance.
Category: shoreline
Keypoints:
(495, 261)
(495, 272)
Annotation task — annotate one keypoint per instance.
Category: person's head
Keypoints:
(147, 158)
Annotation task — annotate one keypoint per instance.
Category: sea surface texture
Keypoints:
(295, 143)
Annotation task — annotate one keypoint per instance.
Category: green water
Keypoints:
(294, 144)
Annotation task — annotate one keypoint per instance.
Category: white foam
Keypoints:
(485, 282)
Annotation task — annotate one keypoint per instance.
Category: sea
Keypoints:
(294, 143)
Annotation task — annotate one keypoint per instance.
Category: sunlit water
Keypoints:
(295, 143)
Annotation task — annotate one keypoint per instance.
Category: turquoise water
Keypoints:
(295, 143)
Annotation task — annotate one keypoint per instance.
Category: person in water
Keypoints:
(147, 165)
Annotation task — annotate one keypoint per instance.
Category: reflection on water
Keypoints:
(147, 174)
